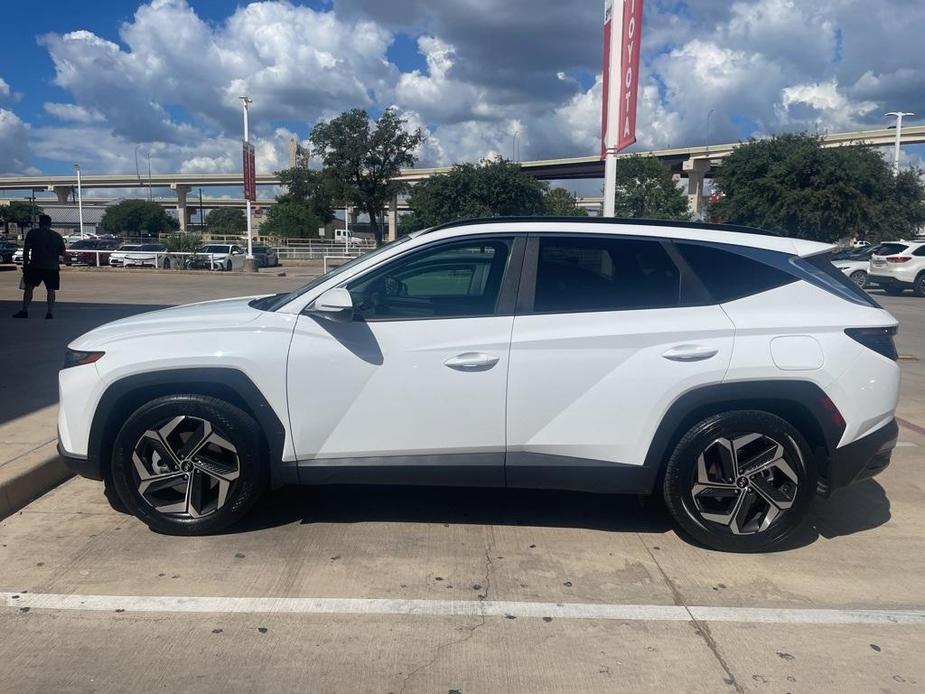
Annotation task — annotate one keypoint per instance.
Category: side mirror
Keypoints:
(335, 304)
(235, 252)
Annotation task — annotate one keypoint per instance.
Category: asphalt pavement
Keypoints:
(360, 589)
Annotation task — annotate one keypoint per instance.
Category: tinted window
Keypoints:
(831, 278)
(727, 275)
(920, 251)
(891, 248)
(449, 280)
(603, 274)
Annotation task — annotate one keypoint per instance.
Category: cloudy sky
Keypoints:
(116, 77)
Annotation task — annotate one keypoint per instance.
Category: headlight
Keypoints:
(75, 357)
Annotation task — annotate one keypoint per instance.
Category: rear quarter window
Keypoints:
(727, 275)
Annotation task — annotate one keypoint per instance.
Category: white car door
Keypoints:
(413, 389)
(600, 348)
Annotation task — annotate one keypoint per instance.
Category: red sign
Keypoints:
(250, 173)
(620, 100)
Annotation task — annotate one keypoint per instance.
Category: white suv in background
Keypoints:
(736, 373)
(899, 265)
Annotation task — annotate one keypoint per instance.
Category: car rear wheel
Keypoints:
(918, 287)
(166, 264)
(189, 464)
(859, 277)
(740, 481)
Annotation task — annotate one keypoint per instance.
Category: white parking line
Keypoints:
(457, 608)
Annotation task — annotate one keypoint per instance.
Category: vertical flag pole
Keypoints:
(613, 50)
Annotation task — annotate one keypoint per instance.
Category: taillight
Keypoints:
(898, 259)
(879, 340)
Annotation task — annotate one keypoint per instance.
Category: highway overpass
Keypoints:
(695, 163)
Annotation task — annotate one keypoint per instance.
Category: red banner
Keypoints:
(250, 173)
(621, 73)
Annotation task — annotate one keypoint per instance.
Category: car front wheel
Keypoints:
(859, 277)
(189, 464)
(740, 481)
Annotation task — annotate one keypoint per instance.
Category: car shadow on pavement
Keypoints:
(476, 506)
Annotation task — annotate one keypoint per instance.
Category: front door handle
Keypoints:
(472, 361)
(690, 353)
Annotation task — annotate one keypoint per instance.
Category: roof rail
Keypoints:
(738, 228)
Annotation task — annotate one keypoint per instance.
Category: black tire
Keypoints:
(893, 291)
(227, 267)
(743, 500)
(918, 286)
(859, 277)
(231, 424)
(166, 264)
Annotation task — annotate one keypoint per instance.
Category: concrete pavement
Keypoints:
(863, 550)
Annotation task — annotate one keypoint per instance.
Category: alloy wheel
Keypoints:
(744, 484)
(185, 466)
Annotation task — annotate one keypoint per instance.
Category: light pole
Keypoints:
(899, 132)
(80, 205)
(202, 220)
(514, 145)
(245, 102)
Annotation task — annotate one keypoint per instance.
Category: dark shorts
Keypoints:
(35, 276)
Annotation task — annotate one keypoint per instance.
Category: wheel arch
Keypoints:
(802, 403)
(127, 394)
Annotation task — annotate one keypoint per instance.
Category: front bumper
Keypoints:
(80, 465)
(861, 459)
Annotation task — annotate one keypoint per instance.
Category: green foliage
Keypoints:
(183, 243)
(312, 187)
(291, 219)
(559, 202)
(791, 184)
(646, 189)
(362, 158)
(226, 220)
(136, 217)
(490, 189)
(18, 213)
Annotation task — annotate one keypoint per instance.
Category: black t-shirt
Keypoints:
(43, 248)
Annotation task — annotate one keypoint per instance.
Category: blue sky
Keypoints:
(97, 83)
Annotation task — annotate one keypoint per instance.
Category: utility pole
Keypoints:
(202, 220)
(899, 133)
(80, 205)
(245, 102)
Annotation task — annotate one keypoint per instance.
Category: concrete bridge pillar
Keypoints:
(182, 212)
(697, 170)
(393, 219)
(63, 192)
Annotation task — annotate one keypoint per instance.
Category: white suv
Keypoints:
(899, 265)
(738, 374)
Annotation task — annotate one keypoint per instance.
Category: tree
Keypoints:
(793, 185)
(646, 189)
(560, 202)
(490, 189)
(311, 187)
(183, 243)
(364, 159)
(137, 217)
(226, 220)
(292, 219)
(18, 213)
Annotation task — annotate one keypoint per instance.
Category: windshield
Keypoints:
(214, 248)
(286, 298)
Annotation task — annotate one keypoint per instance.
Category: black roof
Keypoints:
(608, 220)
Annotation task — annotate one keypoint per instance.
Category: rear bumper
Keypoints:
(80, 465)
(861, 459)
(888, 281)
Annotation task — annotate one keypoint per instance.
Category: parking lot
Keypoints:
(436, 590)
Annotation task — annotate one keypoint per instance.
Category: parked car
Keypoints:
(265, 256)
(143, 255)
(898, 266)
(854, 263)
(7, 250)
(217, 256)
(76, 236)
(90, 252)
(735, 373)
(17, 257)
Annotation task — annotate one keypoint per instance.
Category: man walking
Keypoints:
(40, 255)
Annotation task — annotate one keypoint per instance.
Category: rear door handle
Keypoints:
(690, 353)
(472, 361)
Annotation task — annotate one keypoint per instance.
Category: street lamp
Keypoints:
(245, 102)
(80, 205)
(514, 145)
(899, 131)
